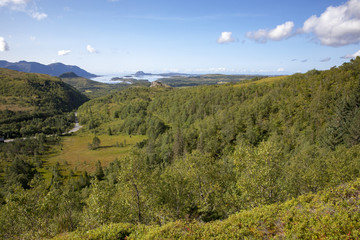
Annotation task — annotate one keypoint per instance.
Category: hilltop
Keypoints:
(54, 69)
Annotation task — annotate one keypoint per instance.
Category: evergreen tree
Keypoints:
(99, 173)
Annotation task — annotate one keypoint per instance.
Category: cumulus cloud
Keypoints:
(27, 6)
(14, 4)
(280, 32)
(3, 45)
(325, 59)
(280, 70)
(38, 16)
(225, 37)
(337, 26)
(90, 49)
(354, 55)
(64, 52)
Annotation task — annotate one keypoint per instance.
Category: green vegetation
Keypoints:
(32, 103)
(331, 214)
(73, 152)
(208, 79)
(268, 158)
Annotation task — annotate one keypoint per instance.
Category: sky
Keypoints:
(191, 36)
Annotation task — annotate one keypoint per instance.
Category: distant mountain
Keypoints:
(54, 69)
(141, 73)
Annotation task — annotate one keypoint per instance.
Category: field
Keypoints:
(74, 154)
(261, 81)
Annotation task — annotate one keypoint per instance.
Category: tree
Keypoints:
(259, 172)
(20, 172)
(95, 143)
(99, 173)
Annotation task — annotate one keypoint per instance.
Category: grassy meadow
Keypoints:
(74, 154)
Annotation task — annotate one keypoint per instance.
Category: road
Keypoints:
(76, 128)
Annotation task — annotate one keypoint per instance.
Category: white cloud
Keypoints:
(18, 5)
(64, 52)
(325, 59)
(282, 31)
(90, 49)
(38, 16)
(3, 45)
(27, 6)
(357, 54)
(225, 37)
(280, 70)
(337, 26)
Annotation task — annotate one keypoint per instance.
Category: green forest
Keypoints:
(33, 103)
(267, 158)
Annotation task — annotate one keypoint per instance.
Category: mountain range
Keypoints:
(54, 69)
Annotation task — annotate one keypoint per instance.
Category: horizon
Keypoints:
(224, 37)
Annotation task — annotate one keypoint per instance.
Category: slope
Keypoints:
(333, 213)
(29, 96)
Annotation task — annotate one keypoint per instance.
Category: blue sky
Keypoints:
(201, 36)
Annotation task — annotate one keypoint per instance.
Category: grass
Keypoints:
(74, 154)
(263, 80)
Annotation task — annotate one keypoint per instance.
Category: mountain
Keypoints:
(54, 69)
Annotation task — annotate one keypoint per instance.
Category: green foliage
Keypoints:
(213, 159)
(259, 171)
(208, 79)
(95, 143)
(329, 214)
(99, 173)
(32, 103)
(20, 172)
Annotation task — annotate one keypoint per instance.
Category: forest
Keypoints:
(275, 157)
(35, 103)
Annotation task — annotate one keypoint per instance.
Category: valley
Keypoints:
(254, 158)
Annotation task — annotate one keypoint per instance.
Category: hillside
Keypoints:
(54, 69)
(207, 79)
(329, 214)
(28, 97)
(273, 139)
(268, 158)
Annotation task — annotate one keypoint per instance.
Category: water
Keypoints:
(107, 78)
